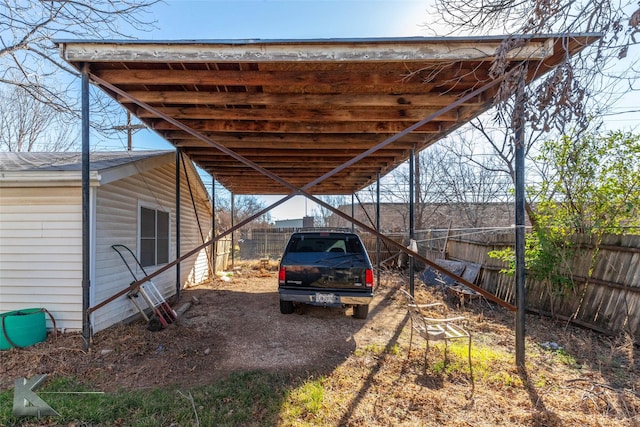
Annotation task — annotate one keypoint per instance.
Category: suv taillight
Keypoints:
(368, 278)
(282, 275)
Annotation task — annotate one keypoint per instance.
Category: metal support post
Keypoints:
(353, 213)
(412, 159)
(214, 244)
(518, 121)
(378, 228)
(86, 210)
(178, 281)
(233, 234)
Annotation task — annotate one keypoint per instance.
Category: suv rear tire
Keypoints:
(360, 311)
(286, 307)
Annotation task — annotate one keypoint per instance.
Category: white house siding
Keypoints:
(117, 223)
(203, 266)
(41, 252)
(198, 267)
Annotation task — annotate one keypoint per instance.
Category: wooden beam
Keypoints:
(364, 80)
(324, 154)
(309, 160)
(191, 98)
(317, 114)
(281, 190)
(297, 162)
(286, 169)
(296, 127)
(247, 180)
(146, 77)
(298, 175)
(246, 139)
(287, 155)
(314, 169)
(373, 50)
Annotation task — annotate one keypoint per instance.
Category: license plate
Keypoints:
(325, 298)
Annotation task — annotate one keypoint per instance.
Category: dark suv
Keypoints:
(325, 268)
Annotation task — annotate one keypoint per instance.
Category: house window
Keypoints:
(154, 237)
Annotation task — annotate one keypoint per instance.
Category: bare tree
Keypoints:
(29, 125)
(498, 159)
(470, 184)
(426, 187)
(243, 206)
(581, 90)
(445, 175)
(327, 218)
(29, 59)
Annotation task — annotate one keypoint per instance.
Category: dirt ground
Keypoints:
(236, 326)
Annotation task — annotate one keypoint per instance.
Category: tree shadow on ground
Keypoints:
(366, 385)
(603, 370)
(542, 416)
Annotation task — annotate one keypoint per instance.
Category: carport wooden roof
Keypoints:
(299, 109)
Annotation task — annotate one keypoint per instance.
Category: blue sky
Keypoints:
(240, 19)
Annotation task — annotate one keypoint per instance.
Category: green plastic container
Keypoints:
(23, 327)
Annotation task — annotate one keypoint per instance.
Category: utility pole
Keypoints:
(129, 128)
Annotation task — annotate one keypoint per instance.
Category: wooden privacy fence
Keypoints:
(607, 301)
(270, 243)
(264, 243)
(222, 254)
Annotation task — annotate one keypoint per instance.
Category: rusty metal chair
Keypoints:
(436, 329)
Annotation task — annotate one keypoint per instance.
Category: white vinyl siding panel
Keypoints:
(117, 211)
(190, 235)
(41, 252)
(196, 268)
(203, 267)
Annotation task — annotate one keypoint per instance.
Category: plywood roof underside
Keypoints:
(301, 108)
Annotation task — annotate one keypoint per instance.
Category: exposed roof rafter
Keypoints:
(298, 109)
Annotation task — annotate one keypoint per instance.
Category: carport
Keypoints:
(311, 117)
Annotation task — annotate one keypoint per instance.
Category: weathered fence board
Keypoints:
(608, 301)
(222, 254)
(264, 243)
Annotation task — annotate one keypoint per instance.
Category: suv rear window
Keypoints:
(338, 244)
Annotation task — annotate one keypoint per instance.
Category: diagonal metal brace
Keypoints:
(302, 190)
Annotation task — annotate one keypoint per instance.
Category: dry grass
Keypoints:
(591, 381)
(372, 380)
